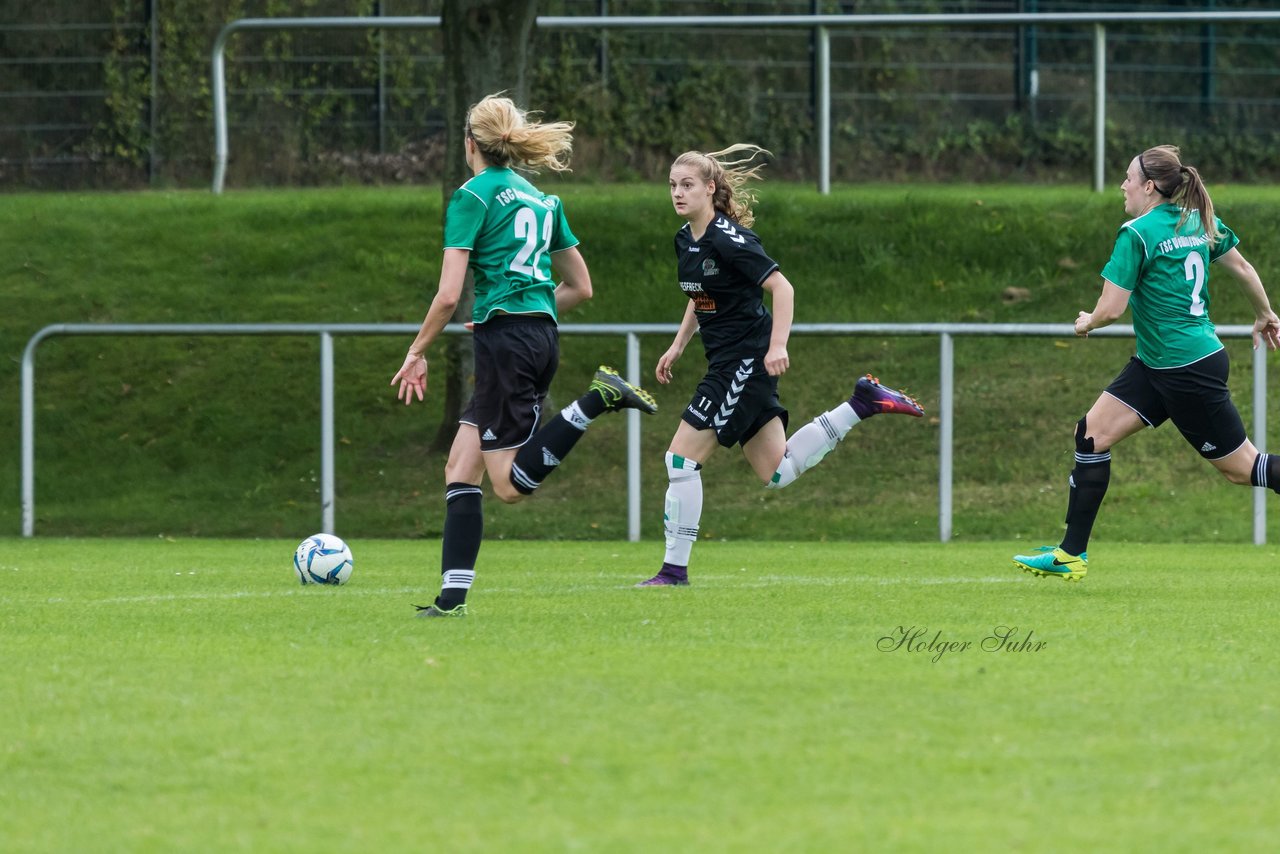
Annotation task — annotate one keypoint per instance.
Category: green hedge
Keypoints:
(303, 109)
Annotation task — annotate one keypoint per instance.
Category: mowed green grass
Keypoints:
(188, 695)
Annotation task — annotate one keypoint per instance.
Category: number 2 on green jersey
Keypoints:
(1194, 266)
(526, 260)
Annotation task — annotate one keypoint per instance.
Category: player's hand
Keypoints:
(1266, 329)
(412, 377)
(1082, 324)
(776, 361)
(665, 363)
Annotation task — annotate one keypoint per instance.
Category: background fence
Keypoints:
(117, 93)
(946, 333)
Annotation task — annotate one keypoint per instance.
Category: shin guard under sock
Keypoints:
(1089, 480)
(460, 545)
(682, 510)
(538, 457)
(808, 445)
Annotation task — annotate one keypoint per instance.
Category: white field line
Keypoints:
(737, 582)
(730, 581)
(871, 579)
(239, 594)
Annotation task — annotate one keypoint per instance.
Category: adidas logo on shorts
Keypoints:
(1207, 447)
(489, 437)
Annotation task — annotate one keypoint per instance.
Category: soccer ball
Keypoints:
(323, 559)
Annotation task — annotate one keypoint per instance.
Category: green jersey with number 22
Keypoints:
(1166, 270)
(510, 227)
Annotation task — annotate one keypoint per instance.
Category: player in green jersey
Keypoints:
(1160, 269)
(511, 236)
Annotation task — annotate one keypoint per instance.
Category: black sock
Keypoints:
(1089, 481)
(538, 457)
(592, 404)
(463, 530)
(1266, 472)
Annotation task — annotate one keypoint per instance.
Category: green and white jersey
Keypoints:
(510, 227)
(1166, 269)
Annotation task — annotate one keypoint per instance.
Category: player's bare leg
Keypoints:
(1239, 466)
(766, 450)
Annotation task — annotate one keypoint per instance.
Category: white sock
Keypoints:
(683, 508)
(808, 445)
(843, 417)
(575, 416)
(457, 579)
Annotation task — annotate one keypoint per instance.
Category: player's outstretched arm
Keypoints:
(1266, 326)
(412, 375)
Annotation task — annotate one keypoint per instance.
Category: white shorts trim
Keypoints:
(1224, 456)
(1144, 418)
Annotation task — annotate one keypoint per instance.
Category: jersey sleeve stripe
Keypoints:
(473, 192)
(1146, 255)
(767, 274)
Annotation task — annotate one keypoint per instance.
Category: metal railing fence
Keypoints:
(945, 332)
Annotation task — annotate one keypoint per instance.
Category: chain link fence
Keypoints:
(116, 94)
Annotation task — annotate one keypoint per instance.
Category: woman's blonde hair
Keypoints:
(730, 170)
(506, 136)
(1181, 185)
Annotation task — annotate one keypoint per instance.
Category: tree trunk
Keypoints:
(486, 50)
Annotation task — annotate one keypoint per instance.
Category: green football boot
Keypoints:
(620, 394)
(434, 610)
(1053, 562)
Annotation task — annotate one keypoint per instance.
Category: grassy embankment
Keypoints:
(219, 437)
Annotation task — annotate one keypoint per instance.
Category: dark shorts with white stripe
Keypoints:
(735, 399)
(516, 359)
(1195, 397)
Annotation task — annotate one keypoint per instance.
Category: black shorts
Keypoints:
(516, 358)
(735, 399)
(1195, 397)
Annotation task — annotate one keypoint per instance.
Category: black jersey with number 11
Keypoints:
(722, 273)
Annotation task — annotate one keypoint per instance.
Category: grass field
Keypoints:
(186, 695)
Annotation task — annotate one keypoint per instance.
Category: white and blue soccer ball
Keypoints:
(323, 559)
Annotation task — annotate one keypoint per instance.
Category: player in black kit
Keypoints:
(724, 272)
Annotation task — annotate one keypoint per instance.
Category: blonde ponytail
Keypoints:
(505, 136)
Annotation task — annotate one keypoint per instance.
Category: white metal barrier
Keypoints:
(946, 332)
(820, 24)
